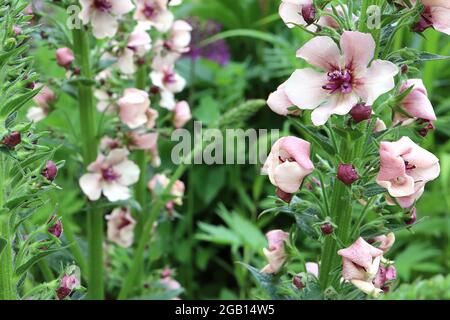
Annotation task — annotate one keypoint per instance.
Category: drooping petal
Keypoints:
(288, 176)
(279, 102)
(115, 191)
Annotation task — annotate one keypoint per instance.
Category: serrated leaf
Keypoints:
(373, 189)
(267, 281)
(17, 102)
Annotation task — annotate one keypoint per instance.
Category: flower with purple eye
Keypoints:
(111, 175)
(121, 227)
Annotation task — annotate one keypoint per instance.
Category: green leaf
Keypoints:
(247, 33)
(17, 102)
(314, 135)
(373, 189)
(217, 234)
(35, 259)
(267, 281)
(208, 110)
(305, 221)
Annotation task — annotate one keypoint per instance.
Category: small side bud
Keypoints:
(412, 217)
(297, 282)
(12, 140)
(64, 57)
(56, 228)
(309, 13)
(347, 174)
(361, 112)
(50, 171)
(326, 228)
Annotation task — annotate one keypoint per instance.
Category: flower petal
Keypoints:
(90, 184)
(321, 52)
(304, 88)
(358, 49)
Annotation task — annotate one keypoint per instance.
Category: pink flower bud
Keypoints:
(56, 229)
(17, 30)
(50, 171)
(309, 13)
(326, 228)
(286, 197)
(347, 174)
(428, 126)
(64, 57)
(181, 114)
(361, 112)
(12, 140)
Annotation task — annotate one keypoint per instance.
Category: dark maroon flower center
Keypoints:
(123, 223)
(149, 11)
(102, 5)
(109, 175)
(339, 81)
(169, 77)
(409, 166)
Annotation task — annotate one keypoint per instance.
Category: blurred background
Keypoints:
(242, 50)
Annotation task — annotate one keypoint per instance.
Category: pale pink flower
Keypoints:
(416, 104)
(385, 241)
(312, 268)
(145, 141)
(288, 163)
(138, 44)
(134, 109)
(45, 97)
(103, 14)
(179, 37)
(111, 175)
(360, 265)
(37, 114)
(436, 14)
(105, 101)
(64, 57)
(160, 181)
(291, 12)
(405, 168)
(107, 143)
(167, 79)
(347, 78)
(275, 253)
(154, 13)
(181, 114)
(121, 227)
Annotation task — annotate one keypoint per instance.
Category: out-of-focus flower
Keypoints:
(121, 227)
(142, 141)
(347, 79)
(160, 181)
(167, 79)
(105, 101)
(44, 100)
(291, 11)
(103, 15)
(416, 105)
(134, 109)
(347, 174)
(111, 175)
(138, 44)
(435, 15)
(69, 282)
(181, 114)
(385, 241)
(154, 13)
(64, 57)
(50, 171)
(107, 143)
(312, 268)
(217, 51)
(275, 253)
(179, 37)
(405, 169)
(288, 163)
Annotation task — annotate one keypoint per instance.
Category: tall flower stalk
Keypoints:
(89, 137)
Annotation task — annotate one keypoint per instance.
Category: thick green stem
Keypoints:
(89, 141)
(363, 18)
(6, 262)
(341, 214)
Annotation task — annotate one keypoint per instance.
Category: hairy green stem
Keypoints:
(89, 141)
(6, 262)
(341, 213)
